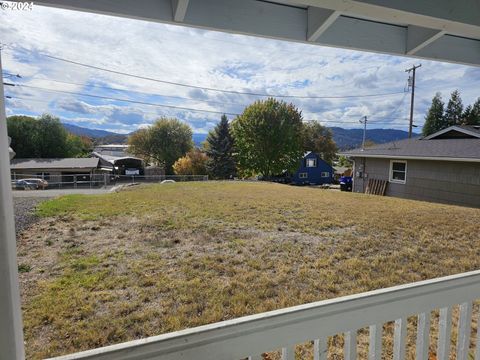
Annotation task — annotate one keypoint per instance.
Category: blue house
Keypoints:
(313, 170)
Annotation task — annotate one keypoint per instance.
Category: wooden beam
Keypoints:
(319, 20)
(419, 37)
(179, 8)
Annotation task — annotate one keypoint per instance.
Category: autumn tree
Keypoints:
(163, 143)
(268, 138)
(193, 163)
(319, 139)
(219, 147)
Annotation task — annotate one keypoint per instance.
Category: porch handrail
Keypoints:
(252, 335)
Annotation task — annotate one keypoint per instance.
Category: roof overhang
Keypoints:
(441, 30)
(459, 129)
(399, 157)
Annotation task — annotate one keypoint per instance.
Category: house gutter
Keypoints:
(403, 157)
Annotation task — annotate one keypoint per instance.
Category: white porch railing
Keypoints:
(250, 336)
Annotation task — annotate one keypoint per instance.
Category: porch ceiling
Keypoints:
(442, 30)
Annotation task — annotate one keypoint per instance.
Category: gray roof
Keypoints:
(65, 163)
(442, 145)
(435, 149)
(113, 159)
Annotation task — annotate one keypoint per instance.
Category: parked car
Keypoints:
(23, 185)
(36, 184)
(346, 183)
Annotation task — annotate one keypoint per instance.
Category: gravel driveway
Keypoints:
(24, 211)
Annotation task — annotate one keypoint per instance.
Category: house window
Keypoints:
(325, 174)
(302, 175)
(398, 171)
(311, 162)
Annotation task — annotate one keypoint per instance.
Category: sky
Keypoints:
(236, 64)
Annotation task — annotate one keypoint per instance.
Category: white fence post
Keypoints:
(11, 332)
(375, 344)
(444, 324)
(423, 336)
(320, 349)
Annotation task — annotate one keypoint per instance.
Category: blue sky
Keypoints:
(205, 59)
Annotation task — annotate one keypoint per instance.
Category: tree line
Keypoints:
(268, 138)
(438, 117)
(45, 137)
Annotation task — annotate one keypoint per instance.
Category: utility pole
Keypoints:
(412, 99)
(364, 122)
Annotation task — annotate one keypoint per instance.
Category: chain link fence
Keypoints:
(74, 181)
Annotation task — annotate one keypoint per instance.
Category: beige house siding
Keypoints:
(439, 181)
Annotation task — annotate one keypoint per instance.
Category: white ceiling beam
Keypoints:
(420, 37)
(179, 8)
(319, 20)
(362, 25)
(359, 34)
(455, 17)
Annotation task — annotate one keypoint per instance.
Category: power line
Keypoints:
(135, 92)
(146, 112)
(215, 89)
(126, 100)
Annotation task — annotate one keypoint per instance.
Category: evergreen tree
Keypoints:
(471, 116)
(454, 110)
(434, 121)
(319, 139)
(219, 148)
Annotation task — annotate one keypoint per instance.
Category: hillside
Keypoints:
(344, 138)
(352, 138)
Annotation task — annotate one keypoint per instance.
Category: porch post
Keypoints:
(11, 332)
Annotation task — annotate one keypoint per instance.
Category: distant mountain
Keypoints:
(345, 138)
(101, 137)
(352, 138)
(81, 131)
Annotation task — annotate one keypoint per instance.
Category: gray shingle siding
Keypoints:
(440, 181)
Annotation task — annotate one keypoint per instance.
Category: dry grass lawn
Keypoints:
(99, 270)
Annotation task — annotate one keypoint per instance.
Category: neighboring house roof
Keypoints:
(113, 159)
(65, 163)
(464, 131)
(438, 146)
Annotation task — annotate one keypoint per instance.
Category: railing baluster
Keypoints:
(477, 348)
(444, 332)
(350, 347)
(464, 329)
(399, 339)
(288, 353)
(320, 349)
(375, 346)
(423, 336)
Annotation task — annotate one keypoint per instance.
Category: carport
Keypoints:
(441, 30)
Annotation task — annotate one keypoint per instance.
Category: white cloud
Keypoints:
(208, 59)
